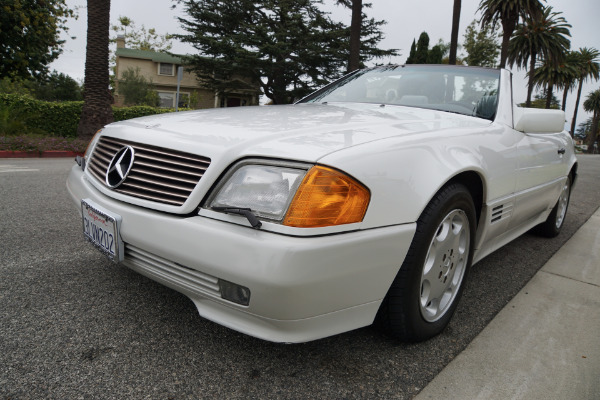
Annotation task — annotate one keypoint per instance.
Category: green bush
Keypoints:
(13, 122)
(136, 89)
(54, 118)
(122, 113)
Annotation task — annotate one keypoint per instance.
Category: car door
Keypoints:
(540, 173)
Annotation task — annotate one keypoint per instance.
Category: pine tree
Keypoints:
(434, 56)
(289, 48)
(421, 54)
(481, 46)
(413, 53)
(422, 49)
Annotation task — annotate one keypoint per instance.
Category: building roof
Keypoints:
(148, 55)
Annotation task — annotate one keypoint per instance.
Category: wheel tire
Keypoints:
(555, 221)
(426, 291)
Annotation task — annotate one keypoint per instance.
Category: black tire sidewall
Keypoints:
(451, 197)
(548, 228)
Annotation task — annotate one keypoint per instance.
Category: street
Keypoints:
(75, 325)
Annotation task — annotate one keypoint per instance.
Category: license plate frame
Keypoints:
(102, 227)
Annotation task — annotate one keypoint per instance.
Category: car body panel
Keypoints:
(301, 273)
(276, 132)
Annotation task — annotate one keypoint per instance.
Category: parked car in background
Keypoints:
(368, 201)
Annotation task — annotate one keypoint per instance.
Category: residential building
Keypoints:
(161, 70)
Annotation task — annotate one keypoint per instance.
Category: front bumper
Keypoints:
(302, 288)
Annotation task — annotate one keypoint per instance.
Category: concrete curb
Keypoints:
(38, 154)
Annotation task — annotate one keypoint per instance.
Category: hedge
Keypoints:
(59, 118)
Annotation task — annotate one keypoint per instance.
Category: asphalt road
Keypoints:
(74, 325)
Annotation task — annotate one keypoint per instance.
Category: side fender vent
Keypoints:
(501, 212)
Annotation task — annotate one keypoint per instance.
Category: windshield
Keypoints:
(462, 90)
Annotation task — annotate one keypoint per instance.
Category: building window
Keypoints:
(167, 99)
(166, 69)
(184, 100)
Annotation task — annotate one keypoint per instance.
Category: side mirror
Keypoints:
(537, 120)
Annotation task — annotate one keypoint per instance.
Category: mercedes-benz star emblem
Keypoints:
(119, 167)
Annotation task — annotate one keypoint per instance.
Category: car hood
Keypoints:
(304, 132)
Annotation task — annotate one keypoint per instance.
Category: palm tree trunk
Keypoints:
(573, 122)
(97, 99)
(355, 27)
(593, 133)
(549, 94)
(530, 83)
(504, 49)
(564, 100)
(508, 27)
(454, 34)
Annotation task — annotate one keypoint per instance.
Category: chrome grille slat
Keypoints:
(141, 147)
(142, 188)
(102, 164)
(137, 178)
(101, 169)
(98, 172)
(104, 154)
(188, 278)
(163, 199)
(110, 148)
(168, 169)
(145, 156)
(158, 174)
(191, 157)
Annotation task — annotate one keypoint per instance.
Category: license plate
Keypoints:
(101, 228)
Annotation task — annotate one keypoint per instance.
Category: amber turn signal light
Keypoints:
(327, 197)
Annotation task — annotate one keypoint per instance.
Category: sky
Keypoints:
(405, 22)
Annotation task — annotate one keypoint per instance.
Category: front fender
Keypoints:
(403, 174)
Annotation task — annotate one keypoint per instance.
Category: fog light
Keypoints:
(235, 293)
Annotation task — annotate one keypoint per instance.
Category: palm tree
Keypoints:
(508, 12)
(592, 104)
(569, 81)
(587, 67)
(543, 34)
(549, 75)
(454, 34)
(564, 78)
(97, 99)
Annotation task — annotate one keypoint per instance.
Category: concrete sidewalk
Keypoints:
(545, 343)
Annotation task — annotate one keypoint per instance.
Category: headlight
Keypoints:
(292, 195)
(265, 189)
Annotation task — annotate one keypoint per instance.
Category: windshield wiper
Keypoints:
(246, 212)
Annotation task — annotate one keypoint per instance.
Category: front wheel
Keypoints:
(425, 293)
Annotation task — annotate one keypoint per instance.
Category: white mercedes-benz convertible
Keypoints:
(367, 201)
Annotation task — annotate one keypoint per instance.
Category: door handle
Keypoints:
(562, 151)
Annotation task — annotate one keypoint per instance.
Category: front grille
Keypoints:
(165, 270)
(162, 175)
